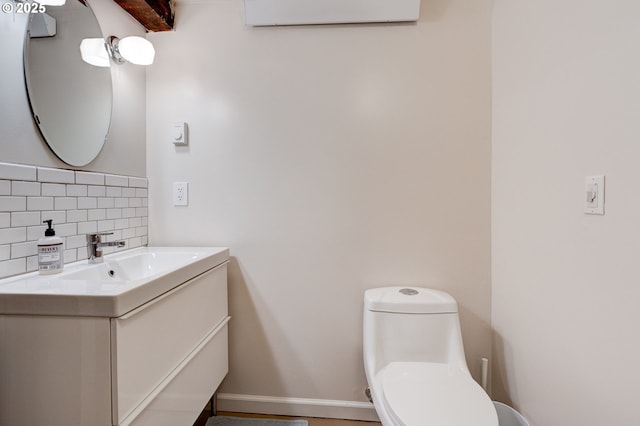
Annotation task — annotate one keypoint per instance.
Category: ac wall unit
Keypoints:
(303, 12)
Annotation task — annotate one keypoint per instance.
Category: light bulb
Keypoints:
(94, 52)
(137, 50)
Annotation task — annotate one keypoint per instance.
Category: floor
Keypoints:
(313, 421)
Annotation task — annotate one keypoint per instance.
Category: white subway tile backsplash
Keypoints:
(77, 202)
(35, 232)
(106, 203)
(66, 203)
(114, 213)
(128, 192)
(116, 180)
(137, 182)
(96, 191)
(39, 203)
(81, 253)
(87, 203)
(25, 219)
(76, 241)
(77, 215)
(114, 235)
(96, 214)
(106, 225)
(19, 187)
(29, 248)
(72, 255)
(128, 233)
(135, 242)
(87, 228)
(5, 252)
(57, 216)
(46, 174)
(76, 190)
(13, 204)
(54, 190)
(108, 250)
(5, 187)
(13, 235)
(90, 178)
(5, 220)
(17, 172)
(13, 267)
(66, 229)
(114, 191)
(32, 263)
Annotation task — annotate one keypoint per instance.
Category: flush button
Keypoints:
(409, 291)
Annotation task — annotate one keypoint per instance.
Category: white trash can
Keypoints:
(507, 416)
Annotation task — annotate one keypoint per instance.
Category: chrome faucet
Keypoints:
(95, 244)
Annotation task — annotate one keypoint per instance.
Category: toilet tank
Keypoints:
(411, 324)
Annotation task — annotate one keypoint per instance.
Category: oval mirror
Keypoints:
(70, 99)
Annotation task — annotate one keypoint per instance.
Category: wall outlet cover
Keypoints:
(180, 193)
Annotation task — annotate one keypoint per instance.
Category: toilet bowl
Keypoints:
(414, 361)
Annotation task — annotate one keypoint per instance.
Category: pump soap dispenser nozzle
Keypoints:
(49, 232)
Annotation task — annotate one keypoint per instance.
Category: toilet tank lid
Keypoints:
(410, 300)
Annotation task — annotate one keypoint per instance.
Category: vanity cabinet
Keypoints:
(158, 364)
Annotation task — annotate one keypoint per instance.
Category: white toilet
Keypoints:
(414, 361)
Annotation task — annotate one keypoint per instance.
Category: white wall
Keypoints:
(124, 152)
(330, 159)
(566, 104)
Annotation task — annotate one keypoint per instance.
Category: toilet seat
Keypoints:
(435, 394)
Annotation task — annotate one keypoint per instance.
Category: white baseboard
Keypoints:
(300, 407)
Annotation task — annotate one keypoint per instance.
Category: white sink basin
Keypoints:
(142, 265)
(136, 266)
(109, 272)
(123, 282)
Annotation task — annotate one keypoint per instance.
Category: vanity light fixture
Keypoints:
(134, 49)
(94, 52)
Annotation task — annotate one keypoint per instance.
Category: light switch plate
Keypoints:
(594, 195)
(179, 134)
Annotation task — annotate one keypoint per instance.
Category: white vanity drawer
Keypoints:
(181, 398)
(148, 343)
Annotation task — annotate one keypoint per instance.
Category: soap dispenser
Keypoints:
(50, 254)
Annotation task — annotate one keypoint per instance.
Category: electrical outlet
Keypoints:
(180, 193)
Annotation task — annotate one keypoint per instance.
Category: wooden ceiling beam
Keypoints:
(154, 15)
